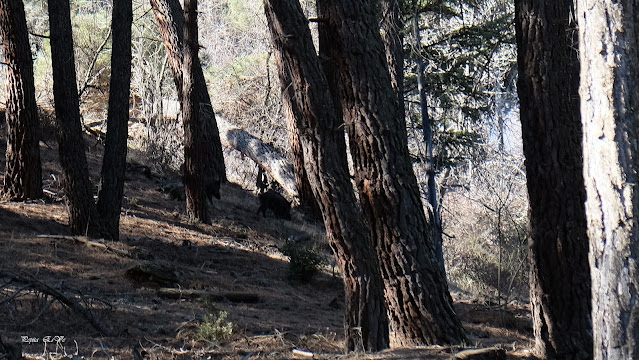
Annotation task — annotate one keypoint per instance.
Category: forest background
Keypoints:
(469, 55)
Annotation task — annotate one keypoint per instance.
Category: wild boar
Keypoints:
(275, 202)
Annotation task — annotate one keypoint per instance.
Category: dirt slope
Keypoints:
(237, 255)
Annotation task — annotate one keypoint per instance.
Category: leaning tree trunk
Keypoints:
(609, 55)
(419, 305)
(171, 21)
(23, 174)
(194, 158)
(305, 91)
(114, 162)
(302, 182)
(551, 129)
(83, 214)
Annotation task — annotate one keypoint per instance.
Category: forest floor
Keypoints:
(236, 260)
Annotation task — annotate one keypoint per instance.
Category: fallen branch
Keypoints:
(135, 253)
(73, 305)
(236, 297)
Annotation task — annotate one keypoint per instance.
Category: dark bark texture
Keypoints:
(83, 214)
(23, 174)
(305, 91)
(609, 92)
(419, 305)
(392, 26)
(115, 150)
(171, 20)
(304, 190)
(194, 158)
(551, 129)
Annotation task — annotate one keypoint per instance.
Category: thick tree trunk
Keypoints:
(551, 128)
(171, 21)
(194, 158)
(392, 34)
(419, 305)
(83, 214)
(114, 162)
(23, 174)
(305, 91)
(609, 54)
(304, 189)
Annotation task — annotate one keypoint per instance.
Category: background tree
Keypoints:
(419, 305)
(115, 149)
(23, 172)
(83, 214)
(608, 38)
(170, 18)
(194, 139)
(551, 127)
(427, 126)
(305, 92)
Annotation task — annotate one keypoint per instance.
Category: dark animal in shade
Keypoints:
(262, 181)
(275, 202)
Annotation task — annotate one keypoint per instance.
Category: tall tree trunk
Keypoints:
(392, 34)
(305, 90)
(196, 199)
(427, 126)
(419, 305)
(171, 21)
(114, 162)
(83, 214)
(551, 129)
(608, 48)
(304, 188)
(23, 174)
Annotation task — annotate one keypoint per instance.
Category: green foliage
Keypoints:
(304, 261)
(468, 49)
(237, 13)
(214, 328)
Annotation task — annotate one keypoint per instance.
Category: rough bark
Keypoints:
(609, 59)
(392, 26)
(304, 190)
(170, 18)
(194, 158)
(23, 174)
(115, 150)
(551, 128)
(305, 91)
(83, 214)
(419, 305)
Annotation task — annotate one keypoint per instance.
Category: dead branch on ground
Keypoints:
(40, 286)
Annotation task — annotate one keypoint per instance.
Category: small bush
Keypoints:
(304, 261)
(214, 328)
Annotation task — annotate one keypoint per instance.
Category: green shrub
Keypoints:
(304, 261)
(214, 328)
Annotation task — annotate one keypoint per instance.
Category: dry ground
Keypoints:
(237, 253)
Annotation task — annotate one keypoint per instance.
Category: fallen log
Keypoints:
(267, 157)
(134, 252)
(236, 297)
